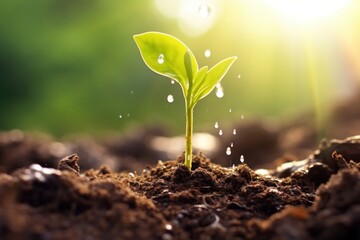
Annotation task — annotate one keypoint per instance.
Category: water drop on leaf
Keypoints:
(219, 91)
(161, 59)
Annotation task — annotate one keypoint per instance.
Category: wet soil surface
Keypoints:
(316, 198)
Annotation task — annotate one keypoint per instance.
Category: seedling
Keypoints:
(168, 56)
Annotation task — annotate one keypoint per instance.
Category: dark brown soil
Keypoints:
(317, 198)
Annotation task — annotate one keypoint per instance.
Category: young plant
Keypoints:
(168, 56)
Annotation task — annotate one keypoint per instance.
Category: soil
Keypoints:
(115, 188)
(317, 198)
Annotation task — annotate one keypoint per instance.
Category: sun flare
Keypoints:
(308, 11)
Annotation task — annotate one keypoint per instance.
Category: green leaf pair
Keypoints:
(168, 56)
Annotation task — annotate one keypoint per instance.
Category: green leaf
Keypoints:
(189, 66)
(152, 45)
(198, 82)
(213, 76)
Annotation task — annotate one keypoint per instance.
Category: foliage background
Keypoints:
(71, 66)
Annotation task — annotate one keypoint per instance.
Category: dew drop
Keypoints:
(216, 125)
(120, 116)
(231, 144)
(230, 110)
(172, 81)
(242, 158)
(161, 59)
(233, 167)
(131, 174)
(234, 131)
(219, 91)
(170, 98)
(220, 132)
(228, 151)
(204, 10)
(207, 53)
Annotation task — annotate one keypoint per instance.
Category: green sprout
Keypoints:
(168, 56)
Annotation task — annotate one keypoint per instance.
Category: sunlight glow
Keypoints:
(194, 17)
(308, 11)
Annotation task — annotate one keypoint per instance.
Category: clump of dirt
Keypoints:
(315, 199)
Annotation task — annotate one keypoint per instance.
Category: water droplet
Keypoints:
(207, 53)
(166, 236)
(239, 76)
(231, 144)
(120, 116)
(204, 10)
(234, 131)
(242, 116)
(219, 91)
(230, 110)
(172, 81)
(220, 132)
(168, 227)
(161, 59)
(242, 158)
(228, 151)
(233, 167)
(170, 98)
(131, 175)
(216, 125)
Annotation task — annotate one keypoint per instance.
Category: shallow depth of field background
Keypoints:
(71, 66)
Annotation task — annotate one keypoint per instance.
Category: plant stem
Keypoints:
(189, 132)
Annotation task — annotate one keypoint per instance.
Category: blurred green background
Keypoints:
(71, 66)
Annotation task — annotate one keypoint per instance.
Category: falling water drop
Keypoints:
(228, 151)
(161, 59)
(168, 227)
(216, 125)
(219, 91)
(204, 10)
(234, 131)
(207, 53)
(220, 132)
(242, 158)
(170, 98)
